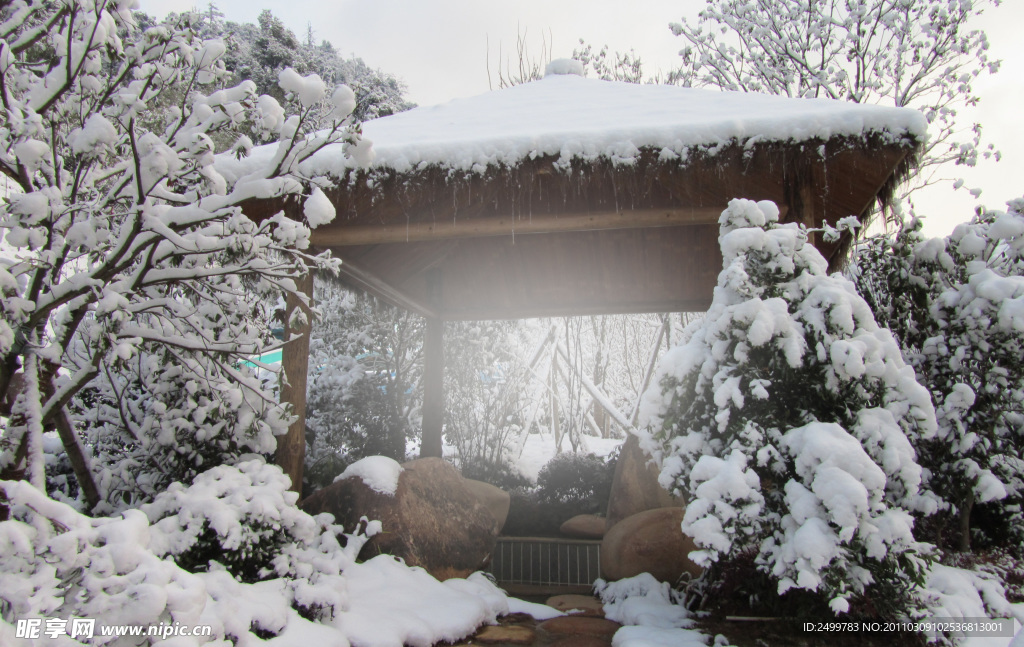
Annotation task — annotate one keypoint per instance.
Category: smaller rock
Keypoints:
(584, 526)
(580, 625)
(582, 641)
(496, 500)
(514, 635)
(580, 605)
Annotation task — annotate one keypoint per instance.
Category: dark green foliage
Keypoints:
(528, 516)
(498, 474)
(581, 479)
(261, 544)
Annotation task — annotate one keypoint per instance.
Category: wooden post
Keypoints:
(291, 448)
(433, 387)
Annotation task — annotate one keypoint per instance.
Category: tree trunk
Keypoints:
(291, 447)
(77, 457)
(556, 427)
(965, 522)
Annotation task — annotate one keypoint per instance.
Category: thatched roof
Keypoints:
(576, 196)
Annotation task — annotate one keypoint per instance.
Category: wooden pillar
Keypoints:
(433, 387)
(291, 448)
(800, 195)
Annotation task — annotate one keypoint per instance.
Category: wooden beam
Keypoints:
(369, 282)
(336, 234)
(575, 309)
(291, 448)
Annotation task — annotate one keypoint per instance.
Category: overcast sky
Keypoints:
(441, 49)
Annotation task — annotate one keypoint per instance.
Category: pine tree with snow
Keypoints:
(786, 420)
(259, 52)
(958, 306)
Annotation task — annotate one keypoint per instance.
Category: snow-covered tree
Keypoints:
(485, 385)
(363, 393)
(259, 52)
(922, 54)
(957, 307)
(786, 420)
(129, 258)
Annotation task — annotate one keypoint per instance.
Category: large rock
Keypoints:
(648, 542)
(433, 520)
(584, 526)
(496, 500)
(635, 485)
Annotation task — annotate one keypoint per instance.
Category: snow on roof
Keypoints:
(573, 117)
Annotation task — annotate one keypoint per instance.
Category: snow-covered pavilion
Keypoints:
(570, 196)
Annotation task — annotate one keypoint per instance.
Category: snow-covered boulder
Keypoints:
(430, 518)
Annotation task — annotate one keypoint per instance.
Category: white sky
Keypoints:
(439, 48)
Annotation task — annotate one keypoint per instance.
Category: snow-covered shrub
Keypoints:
(55, 562)
(642, 600)
(957, 307)
(1002, 564)
(786, 420)
(235, 536)
(58, 563)
(242, 517)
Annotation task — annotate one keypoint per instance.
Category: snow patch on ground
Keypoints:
(537, 611)
(649, 613)
(380, 473)
(642, 600)
(391, 605)
(640, 636)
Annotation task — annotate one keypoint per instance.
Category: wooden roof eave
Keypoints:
(392, 227)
